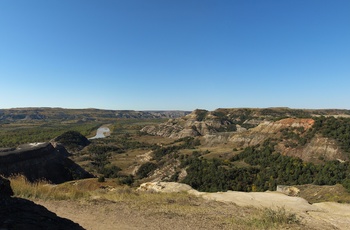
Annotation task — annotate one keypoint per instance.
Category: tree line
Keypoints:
(267, 168)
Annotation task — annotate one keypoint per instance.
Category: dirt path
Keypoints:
(106, 215)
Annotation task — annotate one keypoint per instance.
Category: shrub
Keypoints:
(274, 218)
(128, 180)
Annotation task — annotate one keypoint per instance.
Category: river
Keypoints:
(102, 132)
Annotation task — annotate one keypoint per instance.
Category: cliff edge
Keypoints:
(40, 161)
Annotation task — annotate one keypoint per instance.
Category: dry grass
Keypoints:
(269, 218)
(43, 190)
(128, 159)
(155, 139)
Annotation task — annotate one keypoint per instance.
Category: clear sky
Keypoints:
(175, 54)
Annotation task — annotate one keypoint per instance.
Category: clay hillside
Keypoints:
(306, 134)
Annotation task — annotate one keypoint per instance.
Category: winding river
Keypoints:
(102, 132)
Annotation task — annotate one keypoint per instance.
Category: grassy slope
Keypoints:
(163, 209)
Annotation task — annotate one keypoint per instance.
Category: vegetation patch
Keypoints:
(201, 114)
(326, 193)
(273, 218)
(266, 168)
(12, 135)
(146, 169)
(335, 128)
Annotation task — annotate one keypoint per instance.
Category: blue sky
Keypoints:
(185, 54)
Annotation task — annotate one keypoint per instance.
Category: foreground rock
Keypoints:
(256, 199)
(16, 213)
(167, 187)
(5, 188)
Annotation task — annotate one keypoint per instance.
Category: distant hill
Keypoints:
(203, 122)
(28, 114)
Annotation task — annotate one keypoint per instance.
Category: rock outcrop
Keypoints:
(166, 187)
(40, 161)
(189, 125)
(288, 190)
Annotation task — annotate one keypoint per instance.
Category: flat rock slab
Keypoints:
(263, 200)
(335, 214)
(325, 215)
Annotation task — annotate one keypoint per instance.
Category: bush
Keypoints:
(110, 172)
(128, 180)
(279, 216)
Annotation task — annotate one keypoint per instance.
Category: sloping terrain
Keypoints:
(110, 206)
(113, 207)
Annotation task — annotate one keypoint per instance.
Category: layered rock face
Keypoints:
(165, 187)
(40, 161)
(189, 125)
(241, 128)
(268, 129)
(225, 128)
